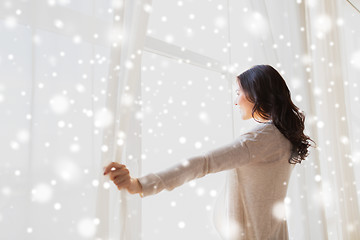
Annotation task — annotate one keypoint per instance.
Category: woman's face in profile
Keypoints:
(244, 105)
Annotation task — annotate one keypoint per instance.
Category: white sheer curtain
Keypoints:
(122, 134)
(314, 46)
(69, 96)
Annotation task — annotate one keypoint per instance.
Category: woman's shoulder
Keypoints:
(265, 137)
(260, 130)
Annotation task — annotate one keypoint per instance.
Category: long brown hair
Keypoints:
(266, 88)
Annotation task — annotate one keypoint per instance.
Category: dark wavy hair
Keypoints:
(266, 88)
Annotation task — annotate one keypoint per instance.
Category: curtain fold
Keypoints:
(122, 136)
(330, 75)
(329, 174)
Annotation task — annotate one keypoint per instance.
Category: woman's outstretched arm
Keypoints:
(229, 156)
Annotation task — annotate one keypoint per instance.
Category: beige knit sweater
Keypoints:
(251, 205)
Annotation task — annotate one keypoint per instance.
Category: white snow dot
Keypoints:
(80, 88)
(344, 140)
(58, 23)
(120, 142)
(200, 191)
(59, 104)
(182, 140)
(129, 64)
(340, 21)
(106, 185)
(103, 118)
(6, 191)
(169, 38)
(278, 210)
(14, 145)
(104, 148)
(57, 206)
(37, 39)
(320, 124)
(185, 162)
(67, 170)
(350, 228)
(181, 224)
(29, 230)
(61, 124)
(10, 22)
(355, 59)
(204, 117)
(86, 227)
(298, 98)
(42, 193)
(198, 145)
(220, 22)
(213, 193)
(312, 3)
(74, 147)
(147, 8)
(192, 183)
(323, 24)
(77, 39)
(95, 182)
(256, 24)
(96, 221)
(23, 135)
(127, 99)
(317, 178)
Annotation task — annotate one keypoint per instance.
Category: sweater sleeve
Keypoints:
(228, 156)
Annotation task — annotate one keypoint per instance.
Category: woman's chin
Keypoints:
(245, 117)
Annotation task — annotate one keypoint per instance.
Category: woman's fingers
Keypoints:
(119, 172)
(114, 165)
(122, 182)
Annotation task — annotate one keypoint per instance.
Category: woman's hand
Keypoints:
(120, 175)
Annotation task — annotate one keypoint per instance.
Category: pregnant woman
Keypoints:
(260, 161)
